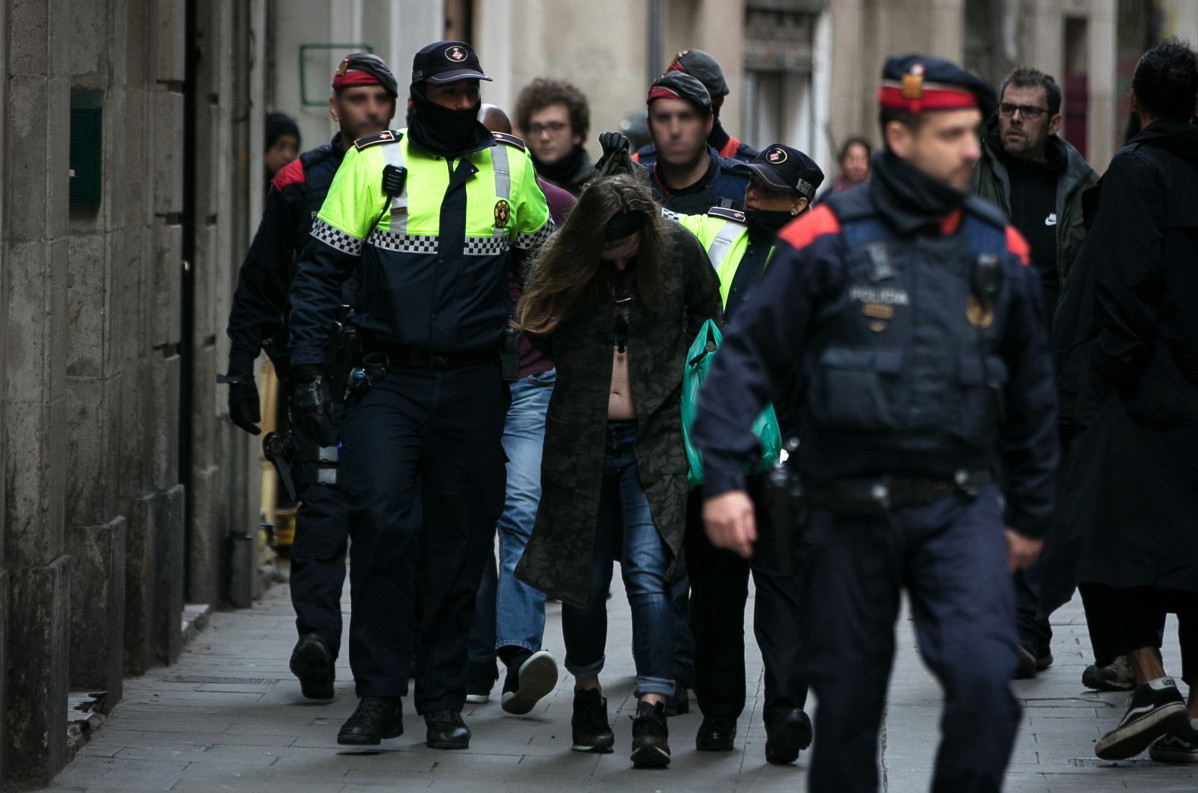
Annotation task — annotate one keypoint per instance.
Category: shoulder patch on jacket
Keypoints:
(802, 231)
(386, 136)
(511, 140)
(291, 173)
(727, 214)
(1017, 245)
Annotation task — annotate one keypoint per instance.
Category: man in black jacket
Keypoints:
(1037, 180)
(363, 102)
(1126, 341)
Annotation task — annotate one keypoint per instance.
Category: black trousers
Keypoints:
(1125, 619)
(318, 550)
(423, 467)
(951, 557)
(719, 588)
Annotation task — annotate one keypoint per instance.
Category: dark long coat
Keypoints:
(557, 559)
(1126, 341)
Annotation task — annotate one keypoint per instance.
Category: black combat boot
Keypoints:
(374, 719)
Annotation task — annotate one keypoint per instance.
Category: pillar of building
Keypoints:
(35, 254)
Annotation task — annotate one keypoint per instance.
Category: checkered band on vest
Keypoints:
(403, 243)
(486, 246)
(336, 238)
(528, 241)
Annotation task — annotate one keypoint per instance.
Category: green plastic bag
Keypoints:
(698, 360)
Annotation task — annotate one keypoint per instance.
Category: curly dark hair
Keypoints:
(1166, 81)
(543, 92)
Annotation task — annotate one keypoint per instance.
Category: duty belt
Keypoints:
(421, 358)
(881, 494)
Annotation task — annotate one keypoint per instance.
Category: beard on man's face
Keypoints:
(1133, 127)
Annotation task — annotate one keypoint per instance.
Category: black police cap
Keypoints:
(922, 84)
(446, 62)
(702, 67)
(679, 85)
(783, 169)
(363, 68)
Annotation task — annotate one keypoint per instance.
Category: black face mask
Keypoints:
(765, 225)
(447, 132)
(913, 198)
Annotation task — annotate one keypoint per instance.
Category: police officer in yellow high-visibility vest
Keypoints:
(782, 184)
(431, 220)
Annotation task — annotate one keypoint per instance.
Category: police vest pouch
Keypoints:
(859, 389)
(906, 357)
(698, 360)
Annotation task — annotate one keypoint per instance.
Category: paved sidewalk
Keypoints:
(229, 717)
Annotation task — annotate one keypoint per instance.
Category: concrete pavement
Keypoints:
(229, 717)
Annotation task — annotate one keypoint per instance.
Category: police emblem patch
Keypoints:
(776, 156)
(981, 317)
(503, 212)
(913, 83)
(877, 310)
(455, 54)
(879, 314)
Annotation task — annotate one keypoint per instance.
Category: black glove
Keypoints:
(613, 143)
(244, 410)
(311, 405)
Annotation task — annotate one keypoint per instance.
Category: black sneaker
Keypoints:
(1179, 746)
(1033, 657)
(480, 679)
(650, 736)
(591, 731)
(312, 663)
(375, 718)
(530, 676)
(679, 702)
(1116, 677)
(1153, 709)
(787, 732)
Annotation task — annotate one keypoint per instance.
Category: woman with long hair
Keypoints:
(615, 299)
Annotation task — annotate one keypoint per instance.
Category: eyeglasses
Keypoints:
(552, 127)
(1030, 112)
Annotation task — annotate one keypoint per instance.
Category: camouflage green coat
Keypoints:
(557, 559)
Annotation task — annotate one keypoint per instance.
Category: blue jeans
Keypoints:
(508, 612)
(644, 560)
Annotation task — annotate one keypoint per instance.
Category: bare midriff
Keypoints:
(620, 406)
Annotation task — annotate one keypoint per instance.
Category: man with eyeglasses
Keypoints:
(554, 118)
(1037, 180)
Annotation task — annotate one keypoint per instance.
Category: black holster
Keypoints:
(784, 503)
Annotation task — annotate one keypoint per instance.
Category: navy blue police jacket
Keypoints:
(874, 326)
(723, 185)
(258, 318)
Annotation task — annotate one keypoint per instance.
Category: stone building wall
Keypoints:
(97, 555)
